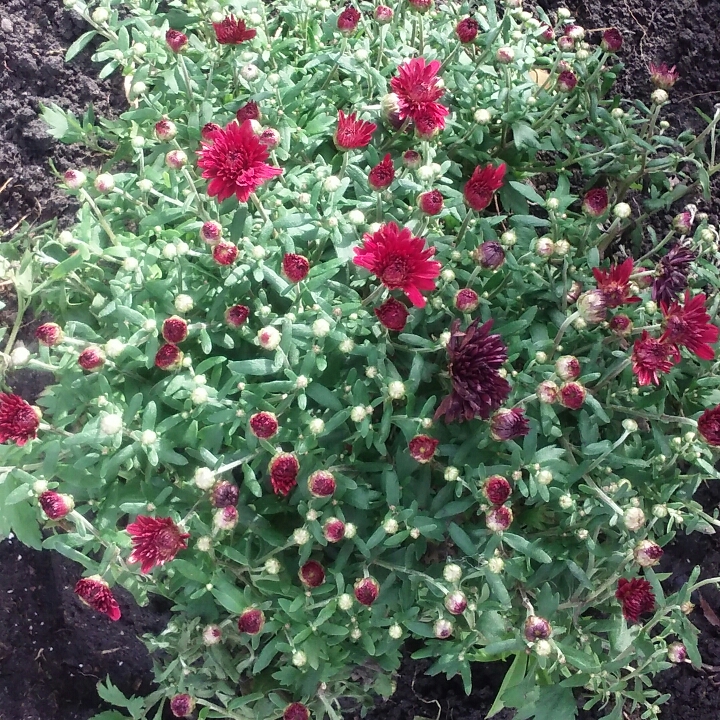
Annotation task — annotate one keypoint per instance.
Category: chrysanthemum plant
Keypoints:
(365, 333)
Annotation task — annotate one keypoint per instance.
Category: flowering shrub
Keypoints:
(350, 346)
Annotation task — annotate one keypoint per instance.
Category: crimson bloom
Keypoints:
(249, 111)
(422, 448)
(475, 360)
(174, 329)
(672, 272)
(392, 314)
(312, 574)
(595, 203)
(508, 424)
(321, 483)
(636, 597)
(208, 130)
(18, 421)
(182, 705)
(348, 20)
(263, 424)
(496, 489)
(237, 315)
(650, 357)
(49, 334)
(284, 469)
(400, 260)
(467, 30)
(56, 505)
(234, 162)
(232, 31)
(483, 184)
(663, 76)
(168, 357)
(382, 175)
(366, 590)
(225, 253)
(96, 593)
(467, 300)
(689, 326)
(709, 426)
(176, 40)
(155, 541)
(612, 40)
(251, 621)
(295, 267)
(352, 133)
(615, 284)
(418, 89)
(431, 202)
(567, 80)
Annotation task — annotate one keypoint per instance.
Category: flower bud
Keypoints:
(633, 519)
(505, 55)
(295, 267)
(269, 337)
(224, 253)
(321, 483)
(490, 255)
(572, 395)
(659, 96)
(168, 357)
(250, 72)
(537, 628)
(312, 574)
(182, 705)
(496, 489)
(56, 505)
(456, 602)
(383, 14)
(391, 526)
(212, 634)
(567, 367)
(366, 591)
(467, 300)
(49, 334)
(176, 40)
(345, 602)
(176, 159)
(92, 358)
(411, 158)
(296, 711)
(677, 653)
(499, 519)
(565, 43)
(301, 536)
(299, 658)
(165, 130)
(422, 448)
(395, 631)
(111, 424)
(396, 390)
(567, 80)
(225, 494)
(647, 553)
(174, 329)
(451, 474)
(612, 40)
(334, 530)
(496, 565)
(100, 15)
(452, 573)
(543, 648)
(442, 629)
(431, 202)
(544, 477)
(74, 179)
(204, 478)
(104, 183)
(184, 303)
(251, 621)
(211, 232)
(544, 247)
(592, 306)
(547, 392)
(270, 138)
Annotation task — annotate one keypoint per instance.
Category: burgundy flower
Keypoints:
(650, 357)
(284, 469)
(174, 329)
(348, 20)
(689, 326)
(208, 130)
(295, 267)
(709, 426)
(467, 30)
(595, 203)
(382, 175)
(400, 260)
(567, 80)
(662, 76)
(412, 159)
(420, 6)
(18, 421)
(234, 162)
(647, 553)
(567, 367)
(224, 253)
(592, 306)
(263, 424)
(467, 300)
(312, 574)
(155, 541)
(499, 518)
(237, 315)
(422, 448)
(615, 283)
(352, 133)
(383, 14)
(367, 591)
(490, 255)
(211, 232)
(418, 89)
(96, 593)
(497, 489)
(572, 395)
(456, 602)
(392, 314)
(537, 628)
(508, 424)
(270, 137)
(249, 111)
(176, 40)
(49, 334)
(483, 184)
(168, 357)
(165, 130)
(321, 483)
(334, 530)
(612, 40)
(232, 31)
(55, 505)
(431, 202)
(182, 705)
(91, 358)
(636, 597)
(251, 621)
(621, 325)
(547, 392)
(672, 272)
(225, 494)
(296, 711)
(475, 357)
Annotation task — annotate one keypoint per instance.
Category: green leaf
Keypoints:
(79, 45)
(462, 540)
(526, 548)
(514, 676)
(254, 367)
(554, 703)
(190, 571)
(524, 136)
(265, 657)
(324, 397)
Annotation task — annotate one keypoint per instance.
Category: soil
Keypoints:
(53, 651)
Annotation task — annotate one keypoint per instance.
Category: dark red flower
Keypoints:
(234, 162)
(367, 591)
(224, 252)
(18, 421)
(174, 329)
(225, 494)
(383, 14)
(426, 124)
(296, 711)
(420, 6)
(263, 424)
(682, 222)
(251, 621)
(211, 232)
(334, 530)
(270, 137)
(595, 203)
(208, 130)
(672, 272)
(400, 260)
(567, 80)
(636, 597)
(612, 40)
(467, 300)
(412, 159)
(168, 357)
(475, 357)
(651, 357)
(499, 518)
(709, 426)
(568, 367)
(418, 89)
(96, 593)
(497, 489)
(165, 129)
(284, 469)
(392, 314)
(232, 31)
(249, 111)
(572, 395)
(615, 284)
(467, 30)
(312, 574)
(490, 255)
(353, 133)
(181, 705)
(91, 358)
(55, 505)
(508, 424)
(663, 76)
(176, 40)
(483, 184)
(431, 202)
(49, 334)
(237, 315)
(382, 175)
(348, 20)
(422, 448)
(295, 267)
(621, 325)
(689, 326)
(155, 541)
(321, 483)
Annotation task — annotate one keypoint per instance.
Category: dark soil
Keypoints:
(53, 651)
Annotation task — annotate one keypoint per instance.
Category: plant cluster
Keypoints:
(364, 333)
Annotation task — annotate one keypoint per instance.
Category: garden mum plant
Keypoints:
(364, 333)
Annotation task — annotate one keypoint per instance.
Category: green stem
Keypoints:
(98, 213)
(561, 331)
(332, 72)
(186, 78)
(21, 308)
(379, 207)
(661, 417)
(343, 165)
(464, 227)
(659, 246)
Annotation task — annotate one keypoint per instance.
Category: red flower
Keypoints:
(312, 574)
(490, 255)
(651, 357)
(508, 424)
(284, 469)
(483, 184)
(334, 530)
(49, 334)
(321, 483)
(232, 31)
(467, 30)
(181, 705)
(383, 14)
(392, 314)
(636, 597)
(168, 357)
(431, 202)
(367, 591)
(612, 40)
(689, 326)
(235, 162)
(208, 130)
(418, 91)
(165, 129)
(672, 272)
(55, 505)
(225, 495)
(295, 267)
(422, 448)
(251, 621)
(95, 592)
(263, 424)
(572, 395)
(567, 80)
(467, 300)
(497, 489)
(296, 711)
(352, 133)
(224, 253)
(615, 283)
(709, 426)
(18, 421)
(91, 358)
(412, 159)
(249, 111)
(155, 541)
(382, 175)
(663, 76)
(499, 518)
(426, 124)
(237, 315)
(176, 40)
(174, 329)
(595, 203)
(400, 260)
(211, 232)
(348, 20)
